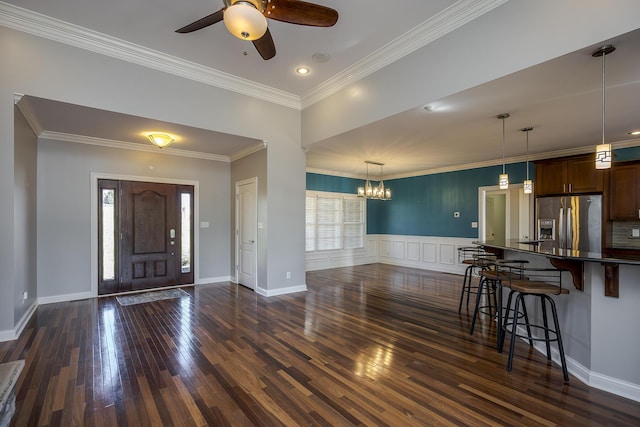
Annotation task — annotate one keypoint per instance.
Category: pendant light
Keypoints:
(528, 184)
(503, 179)
(603, 151)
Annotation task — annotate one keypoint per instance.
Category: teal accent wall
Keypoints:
(424, 205)
(625, 154)
(333, 184)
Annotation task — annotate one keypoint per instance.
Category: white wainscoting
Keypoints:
(321, 260)
(426, 252)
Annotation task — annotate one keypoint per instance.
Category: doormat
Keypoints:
(151, 296)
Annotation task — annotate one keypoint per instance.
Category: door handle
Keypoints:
(252, 241)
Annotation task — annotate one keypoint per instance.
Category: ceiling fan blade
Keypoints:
(265, 46)
(203, 22)
(301, 13)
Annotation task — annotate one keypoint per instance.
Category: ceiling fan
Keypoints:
(246, 19)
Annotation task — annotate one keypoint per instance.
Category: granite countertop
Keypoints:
(551, 250)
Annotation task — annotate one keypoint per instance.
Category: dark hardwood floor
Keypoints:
(369, 345)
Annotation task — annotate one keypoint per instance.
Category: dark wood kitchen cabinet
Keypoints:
(568, 175)
(624, 192)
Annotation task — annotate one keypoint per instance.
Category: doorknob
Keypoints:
(252, 241)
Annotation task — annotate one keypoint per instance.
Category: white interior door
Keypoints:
(246, 232)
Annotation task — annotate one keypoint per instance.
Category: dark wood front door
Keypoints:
(148, 227)
(149, 223)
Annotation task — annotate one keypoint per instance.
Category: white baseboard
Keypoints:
(425, 252)
(281, 291)
(14, 333)
(209, 280)
(64, 298)
(593, 379)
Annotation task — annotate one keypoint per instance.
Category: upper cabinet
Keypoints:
(624, 190)
(568, 175)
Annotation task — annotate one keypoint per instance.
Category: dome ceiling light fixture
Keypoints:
(160, 139)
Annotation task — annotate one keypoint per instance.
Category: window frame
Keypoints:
(342, 224)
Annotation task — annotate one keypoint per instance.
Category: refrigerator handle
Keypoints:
(561, 228)
(569, 230)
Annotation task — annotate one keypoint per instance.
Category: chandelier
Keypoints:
(378, 192)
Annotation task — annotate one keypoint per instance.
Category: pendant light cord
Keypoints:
(503, 144)
(527, 155)
(603, 89)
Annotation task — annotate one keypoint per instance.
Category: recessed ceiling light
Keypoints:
(303, 70)
(635, 132)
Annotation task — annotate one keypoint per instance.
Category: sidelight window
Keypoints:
(185, 232)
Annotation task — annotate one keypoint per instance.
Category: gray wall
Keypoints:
(24, 221)
(55, 71)
(64, 217)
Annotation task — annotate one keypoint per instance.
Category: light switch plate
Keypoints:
(204, 224)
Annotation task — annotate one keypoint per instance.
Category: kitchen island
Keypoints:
(600, 335)
(567, 259)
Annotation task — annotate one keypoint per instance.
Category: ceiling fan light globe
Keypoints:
(244, 21)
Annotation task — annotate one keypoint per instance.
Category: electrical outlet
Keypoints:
(288, 275)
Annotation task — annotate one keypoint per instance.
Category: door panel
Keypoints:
(246, 214)
(148, 253)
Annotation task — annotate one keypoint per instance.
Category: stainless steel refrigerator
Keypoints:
(570, 222)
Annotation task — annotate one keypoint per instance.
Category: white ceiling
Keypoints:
(561, 99)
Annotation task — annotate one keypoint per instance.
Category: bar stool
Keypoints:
(470, 256)
(494, 276)
(541, 283)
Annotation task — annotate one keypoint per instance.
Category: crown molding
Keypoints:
(510, 160)
(335, 173)
(89, 140)
(438, 26)
(247, 151)
(24, 106)
(30, 22)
